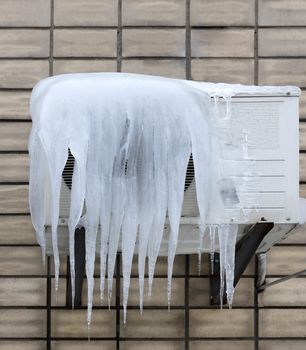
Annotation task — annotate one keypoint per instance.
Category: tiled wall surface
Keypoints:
(242, 41)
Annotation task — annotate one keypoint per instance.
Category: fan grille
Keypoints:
(68, 171)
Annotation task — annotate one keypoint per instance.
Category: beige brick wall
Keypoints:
(242, 41)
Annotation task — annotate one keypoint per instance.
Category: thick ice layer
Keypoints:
(131, 137)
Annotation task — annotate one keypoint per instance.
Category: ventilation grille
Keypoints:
(190, 207)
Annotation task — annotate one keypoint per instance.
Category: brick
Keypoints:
(158, 345)
(60, 298)
(14, 168)
(302, 128)
(21, 261)
(63, 266)
(63, 270)
(282, 344)
(14, 104)
(22, 291)
(303, 162)
(72, 323)
(303, 191)
(84, 66)
(222, 43)
(24, 43)
(25, 13)
(282, 323)
(282, 72)
(85, 43)
(22, 345)
(154, 324)
(161, 267)
(22, 73)
(223, 70)
(14, 199)
(159, 292)
(166, 67)
(222, 12)
(153, 42)
(193, 271)
(281, 12)
(297, 237)
(85, 12)
(288, 293)
(302, 105)
(83, 344)
(23, 323)
(285, 260)
(221, 323)
(16, 230)
(193, 265)
(14, 136)
(281, 42)
(154, 13)
(221, 345)
(199, 292)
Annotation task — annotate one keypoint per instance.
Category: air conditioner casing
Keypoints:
(273, 128)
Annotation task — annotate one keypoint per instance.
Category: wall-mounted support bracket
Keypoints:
(245, 250)
(79, 252)
(280, 280)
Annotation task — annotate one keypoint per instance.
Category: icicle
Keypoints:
(104, 235)
(179, 150)
(202, 229)
(36, 191)
(216, 106)
(88, 330)
(55, 178)
(160, 165)
(223, 236)
(110, 126)
(92, 217)
(130, 221)
(129, 232)
(90, 242)
(118, 204)
(106, 166)
(212, 234)
(230, 262)
(105, 219)
(228, 113)
(146, 200)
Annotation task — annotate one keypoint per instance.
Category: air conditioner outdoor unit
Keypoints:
(272, 125)
(253, 184)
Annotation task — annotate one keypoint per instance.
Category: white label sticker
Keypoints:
(261, 122)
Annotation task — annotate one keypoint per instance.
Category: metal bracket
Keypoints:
(280, 280)
(79, 252)
(245, 249)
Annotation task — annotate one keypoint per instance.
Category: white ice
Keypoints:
(132, 137)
